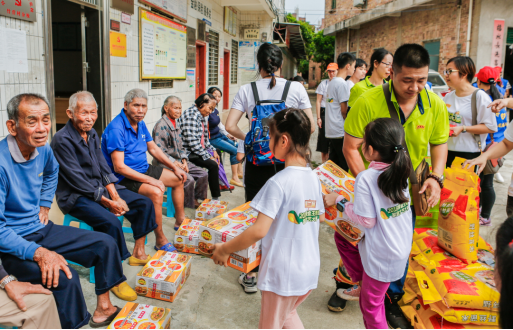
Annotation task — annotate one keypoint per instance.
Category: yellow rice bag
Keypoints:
(466, 316)
(422, 317)
(458, 221)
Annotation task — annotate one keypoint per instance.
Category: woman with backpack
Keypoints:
(468, 134)
(273, 94)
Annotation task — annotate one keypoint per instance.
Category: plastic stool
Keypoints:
(68, 219)
(168, 204)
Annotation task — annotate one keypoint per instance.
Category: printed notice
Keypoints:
(163, 47)
(247, 54)
(13, 50)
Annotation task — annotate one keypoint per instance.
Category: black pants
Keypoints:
(323, 143)
(336, 154)
(255, 177)
(213, 172)
(487, 195)
(87, 248)
(141, 217)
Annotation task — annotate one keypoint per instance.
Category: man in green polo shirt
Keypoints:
(425, 120)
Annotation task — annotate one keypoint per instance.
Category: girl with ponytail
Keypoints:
(382, 206)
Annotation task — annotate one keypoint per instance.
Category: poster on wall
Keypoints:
(175, 8)
(163, 47)
(230, 21)
(247, 54)
(13, 50)
(24, 10)
(117, 44)
(497, 42)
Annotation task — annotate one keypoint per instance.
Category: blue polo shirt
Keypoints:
(120, 136)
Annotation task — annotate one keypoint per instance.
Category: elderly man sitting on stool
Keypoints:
(34, 249)
(87, 188)
(125, 142)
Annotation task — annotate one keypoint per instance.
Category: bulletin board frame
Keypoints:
(177, 16)
(172, 25)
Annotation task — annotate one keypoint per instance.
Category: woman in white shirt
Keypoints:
(270, 60)
(459, 74)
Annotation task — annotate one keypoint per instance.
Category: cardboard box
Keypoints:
(139, 316)
(223, 229)
(210, 209)
(163, 276)
(335, 179)
(187, 236)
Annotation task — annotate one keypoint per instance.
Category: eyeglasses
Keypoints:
(387, 64)
(449, 71)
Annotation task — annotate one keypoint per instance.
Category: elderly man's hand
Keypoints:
(43, 214)
(50, 264)
(118, 207)
(17, 290)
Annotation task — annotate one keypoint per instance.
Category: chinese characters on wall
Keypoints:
(202, 8)
(21, 9)
(497, 42)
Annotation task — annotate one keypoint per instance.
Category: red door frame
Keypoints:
(201, 53)
(226, 80)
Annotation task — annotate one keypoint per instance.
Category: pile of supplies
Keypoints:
(224, 228)
(335, 179)
(210, 208)
(187, 236)
(139, 316)
(450, 281)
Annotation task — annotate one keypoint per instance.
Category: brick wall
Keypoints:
(344, 10)
(418, 25)
(314, 75)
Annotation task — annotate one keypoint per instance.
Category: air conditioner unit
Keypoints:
(359, 3)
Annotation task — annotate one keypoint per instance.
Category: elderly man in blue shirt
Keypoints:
(32, 247)
(125, 142)
(87, 187)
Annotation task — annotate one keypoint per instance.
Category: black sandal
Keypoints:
(105, 323)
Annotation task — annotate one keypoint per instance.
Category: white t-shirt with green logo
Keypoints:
(291, 262)
(385, 247)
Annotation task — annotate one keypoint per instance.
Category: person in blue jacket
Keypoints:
(32, 247)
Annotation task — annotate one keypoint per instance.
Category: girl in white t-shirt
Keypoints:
(382, 206)
(459, 74)
(290, 208)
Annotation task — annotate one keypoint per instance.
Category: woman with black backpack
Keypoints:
(272, 95)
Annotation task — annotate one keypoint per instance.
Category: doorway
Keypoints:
(226, 80)
(201, 54)
(77, 60)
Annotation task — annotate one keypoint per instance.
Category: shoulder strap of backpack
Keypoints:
(473, 104)
(286, 91)
(255, 93)
(395, 116)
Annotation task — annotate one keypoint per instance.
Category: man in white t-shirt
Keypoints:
(320, 109)
(336, 108)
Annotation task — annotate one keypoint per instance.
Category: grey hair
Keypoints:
(82, 96)
(168, 100)
(13, 107)
(135, 93)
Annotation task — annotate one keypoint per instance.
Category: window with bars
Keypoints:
(162, 83)
(213, 58)
(234, 61)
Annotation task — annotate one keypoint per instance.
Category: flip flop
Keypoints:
(105, 323)
(176, 228)
(169, 247)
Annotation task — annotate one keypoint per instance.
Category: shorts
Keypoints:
(153, 171)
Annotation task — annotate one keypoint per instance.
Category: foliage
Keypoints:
(318, 47)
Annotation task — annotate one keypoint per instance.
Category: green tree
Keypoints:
(323, 49)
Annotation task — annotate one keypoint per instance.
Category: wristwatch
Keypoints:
(464, 129)
(7, 280)
(341, 205)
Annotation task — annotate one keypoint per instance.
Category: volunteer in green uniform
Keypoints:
(426, 124)
(380, 65)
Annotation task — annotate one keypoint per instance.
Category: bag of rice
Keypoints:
(458, 221)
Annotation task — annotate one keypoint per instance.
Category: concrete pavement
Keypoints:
(212, 297)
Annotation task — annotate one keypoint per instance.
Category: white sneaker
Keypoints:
(248, 284)
(352, 293)
(499, 178)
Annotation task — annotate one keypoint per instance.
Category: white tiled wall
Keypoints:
(12, 84)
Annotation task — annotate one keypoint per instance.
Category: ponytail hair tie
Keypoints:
(272, 74)
(398, 147)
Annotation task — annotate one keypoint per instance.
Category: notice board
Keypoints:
(175, 8)
(163, 47)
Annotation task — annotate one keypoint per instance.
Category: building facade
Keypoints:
(73, 47)
(446, 28)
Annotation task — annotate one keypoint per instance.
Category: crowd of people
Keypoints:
(376, 120)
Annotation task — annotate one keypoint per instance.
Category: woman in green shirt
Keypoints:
(380, 64)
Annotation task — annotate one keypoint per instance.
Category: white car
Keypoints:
(439, 86)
